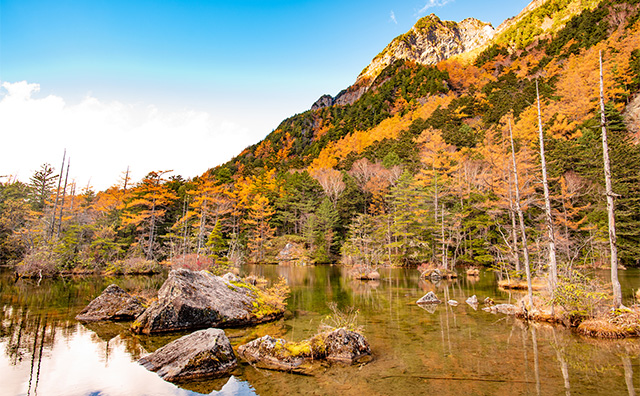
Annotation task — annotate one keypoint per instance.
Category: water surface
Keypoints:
(450, 351)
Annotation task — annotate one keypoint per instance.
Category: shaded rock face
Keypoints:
(429, 298)
(340, 345)
(113, 304)
(204, 353)
(324, 101)
(192, 300)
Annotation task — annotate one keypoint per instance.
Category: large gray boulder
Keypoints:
(193, 300)
(339, 345)
(204, 353)
(113, 304)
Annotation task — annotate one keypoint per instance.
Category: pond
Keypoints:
(450, 351)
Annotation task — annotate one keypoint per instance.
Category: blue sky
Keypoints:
(237, 68)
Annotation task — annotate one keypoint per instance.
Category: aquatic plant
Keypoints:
(347, 319)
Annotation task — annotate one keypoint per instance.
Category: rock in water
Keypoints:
(272, 353)
(473, 301)
(204, 353)
(429, 298)
(339, 345)
(193, 300)
(113, 304)
(453, 303)
(506, 309)
(346, 346)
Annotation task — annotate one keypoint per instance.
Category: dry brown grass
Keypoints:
(617, 324)
(601, 328)
(537, 284)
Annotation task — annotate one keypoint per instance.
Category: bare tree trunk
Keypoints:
(126, 180)
(525, 248)
(628, 375)
(184, 228)
(151, 228)
(553, 266)
(55, 205)
(611, 208)
(444, 246)
(514, 231)
(203, 219)
(64, 193)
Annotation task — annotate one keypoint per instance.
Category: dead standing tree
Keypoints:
(617, 292)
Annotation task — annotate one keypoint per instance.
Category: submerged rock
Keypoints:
(339, 345)
(429, 298)
(113, 304)
(506, 309)
(204, 353)
(192, 300)
(453, 303)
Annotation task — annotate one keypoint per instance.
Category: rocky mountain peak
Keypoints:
(429, 41)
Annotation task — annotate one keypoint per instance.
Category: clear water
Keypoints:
(451, 351)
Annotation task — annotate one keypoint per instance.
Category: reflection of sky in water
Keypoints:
(80, 364)
(447, 351)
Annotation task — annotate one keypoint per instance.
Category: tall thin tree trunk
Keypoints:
(525, 248)
(553, 266)
(55, 205)
(628, 375)
(611, 208)
(184, 228)
(64, 193)
(514, 231)
(126, 180)
(444, 247)
(203, 219)
(152, 228)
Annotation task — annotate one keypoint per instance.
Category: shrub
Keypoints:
(580, 295)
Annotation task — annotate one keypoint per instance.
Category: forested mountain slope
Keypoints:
(411, 164)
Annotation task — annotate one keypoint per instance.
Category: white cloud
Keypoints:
(434, 3)
(393, 17)
(103, 138)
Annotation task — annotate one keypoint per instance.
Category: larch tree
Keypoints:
(259, 229)
(148, 206)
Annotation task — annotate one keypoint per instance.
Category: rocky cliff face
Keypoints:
(429, 41)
